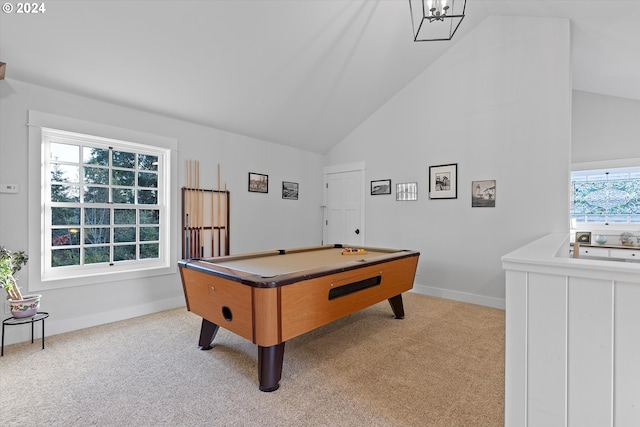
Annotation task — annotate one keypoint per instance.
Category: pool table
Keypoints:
(271, 297)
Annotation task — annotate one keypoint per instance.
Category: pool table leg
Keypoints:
(270, 366)
(397, 306)
(208, 332)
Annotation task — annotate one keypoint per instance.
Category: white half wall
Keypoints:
(572, 341)
(498, 104)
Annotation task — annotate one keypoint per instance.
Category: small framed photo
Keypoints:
(382, 186)
(407, 191)
(583, 237)
(443, 181)
(258, 183)
(289, 190)
(483, 194)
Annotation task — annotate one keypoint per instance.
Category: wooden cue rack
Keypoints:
(205, 223)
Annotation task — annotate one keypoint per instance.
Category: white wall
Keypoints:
(499, 105)
(604, 128)
(258, 221)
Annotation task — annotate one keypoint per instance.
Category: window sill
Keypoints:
(93, 279)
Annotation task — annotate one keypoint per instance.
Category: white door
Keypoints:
(344, 213)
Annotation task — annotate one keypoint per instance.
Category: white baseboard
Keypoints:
(58, 326)
(460, 296)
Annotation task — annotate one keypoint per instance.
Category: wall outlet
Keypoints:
(8, 188)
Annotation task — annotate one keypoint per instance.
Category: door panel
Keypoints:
(343, 219)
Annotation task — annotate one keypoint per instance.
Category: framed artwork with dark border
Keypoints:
(258, 183)
(407, 191)
(290, 190)
(583, 237)
(443, 181)
(381, 186)
(483, 194)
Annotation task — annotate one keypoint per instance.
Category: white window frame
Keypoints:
(42, 277)
(80, 140)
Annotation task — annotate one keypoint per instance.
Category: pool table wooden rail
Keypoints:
(215, 266)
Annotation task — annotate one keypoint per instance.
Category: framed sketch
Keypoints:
(407, 191)
(443, 181)
(290, 190)
(382, 186)
(583, 237)
(483, 194)
(258, 183)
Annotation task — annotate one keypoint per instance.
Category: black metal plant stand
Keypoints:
(11, 321)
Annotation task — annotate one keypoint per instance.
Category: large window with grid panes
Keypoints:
(104, 205)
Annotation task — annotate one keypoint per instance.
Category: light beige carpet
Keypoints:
(443, 365)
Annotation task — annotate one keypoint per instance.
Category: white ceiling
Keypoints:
(303, 73)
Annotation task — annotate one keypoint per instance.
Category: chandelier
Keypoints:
(434, 20)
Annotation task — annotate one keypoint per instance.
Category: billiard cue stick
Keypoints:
(194, 212)
(187, 241)
(197, 229)
(219, 218)
(189, 184)
(201, 214)
(213, 236)
(201, 233)
(224, 221)
(188, 208)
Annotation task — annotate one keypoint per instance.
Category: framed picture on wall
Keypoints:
(290, 190)
(258, 183)
(443, 181)
(583, 237)
(483, 194)
(382, 186)
(407, 191)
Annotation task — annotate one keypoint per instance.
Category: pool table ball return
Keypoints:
(271, 297)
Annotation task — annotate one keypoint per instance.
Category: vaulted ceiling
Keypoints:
(303, 73)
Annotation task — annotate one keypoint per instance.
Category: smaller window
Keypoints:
(606, 196)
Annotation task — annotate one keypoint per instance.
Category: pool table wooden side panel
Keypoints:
(306, 306)
(206, 295)
(270, 316)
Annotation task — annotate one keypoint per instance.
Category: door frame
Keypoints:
(347, 167)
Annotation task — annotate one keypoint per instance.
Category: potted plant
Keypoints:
(10, 264)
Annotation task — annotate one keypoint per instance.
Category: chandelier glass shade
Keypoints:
(434, 20)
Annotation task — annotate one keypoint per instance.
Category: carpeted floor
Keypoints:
(443, 365)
